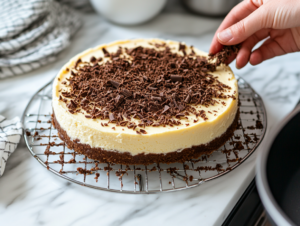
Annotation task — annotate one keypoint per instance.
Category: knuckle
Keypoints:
(240, 28)
(266, 19)
(256, 3)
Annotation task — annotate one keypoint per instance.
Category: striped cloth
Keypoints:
(10, 135)
(33, 32)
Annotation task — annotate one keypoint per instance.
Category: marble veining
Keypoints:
(30, 195)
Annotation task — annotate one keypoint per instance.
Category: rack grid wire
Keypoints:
(45, 146)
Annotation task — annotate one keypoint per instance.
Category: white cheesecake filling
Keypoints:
(158, 139)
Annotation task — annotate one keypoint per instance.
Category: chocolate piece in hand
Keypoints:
(222, 56)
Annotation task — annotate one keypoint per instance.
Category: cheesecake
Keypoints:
(144, 101)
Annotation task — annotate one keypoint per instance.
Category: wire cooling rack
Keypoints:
(52, 153)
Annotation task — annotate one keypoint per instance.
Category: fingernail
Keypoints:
(237, 66)
(225, 35)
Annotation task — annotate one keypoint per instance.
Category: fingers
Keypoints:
(215, 46)
(243, 55)
(238, 13)
(279, 43)
(269, 49)
(230, 59)
(243, 29)
(245, 51)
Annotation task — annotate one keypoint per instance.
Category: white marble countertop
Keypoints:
(30, 195)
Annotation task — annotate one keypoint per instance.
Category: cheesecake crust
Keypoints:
(126, 158)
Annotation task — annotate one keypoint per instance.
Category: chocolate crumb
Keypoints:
(106, 53)
(176, 78)
(115, 83)
(97, 175)
(80, 170)
(112, 117)
(181, 47)
(259, 125)
(143, 131)
(238, 145)
(93, 59)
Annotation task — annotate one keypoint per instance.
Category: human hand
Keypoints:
(254, 20)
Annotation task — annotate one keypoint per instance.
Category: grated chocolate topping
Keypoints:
(157, 87)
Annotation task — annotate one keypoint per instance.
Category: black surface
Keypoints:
(247, 210)
(283, 169)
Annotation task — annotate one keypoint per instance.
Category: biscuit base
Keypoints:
(126, 158)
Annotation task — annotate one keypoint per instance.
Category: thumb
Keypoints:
(242, 30)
